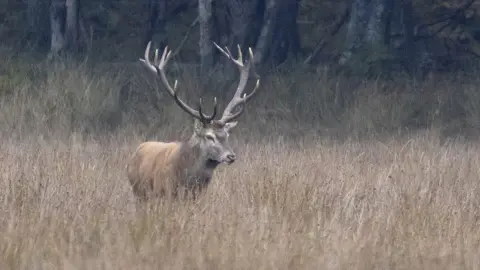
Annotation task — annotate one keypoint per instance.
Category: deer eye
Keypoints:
(210, 137)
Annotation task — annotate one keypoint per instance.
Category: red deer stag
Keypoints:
(157, 169)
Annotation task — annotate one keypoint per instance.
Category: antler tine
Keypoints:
(158, 67)
(207, 118)
(240, 56)
(165, 58)
(254, 91)
(222, 50)
(239, 98)
(242, 101)
(155, 58)
(226, 52)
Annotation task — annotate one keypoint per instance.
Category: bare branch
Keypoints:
(449, 16)
(322, 42)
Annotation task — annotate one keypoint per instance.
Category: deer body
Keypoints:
(164, 169)
(160, 169)
(152, 161)
(172, 168)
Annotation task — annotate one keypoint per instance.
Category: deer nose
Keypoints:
(231, 158)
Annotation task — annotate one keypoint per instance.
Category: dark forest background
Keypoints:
(381, 65)
(359, 150)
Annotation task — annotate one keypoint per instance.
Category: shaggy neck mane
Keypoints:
(196, 167)
(191, 150)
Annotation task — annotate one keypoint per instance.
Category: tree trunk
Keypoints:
(368, 29)
(376, 24)
(205, 42)
(57, 27)
(266, 34)
(221, 20)
(244, 18)
(38, 26)
(389, 8)
(156, 15)
(279, 36)
(408, 25)
(270, 26)
(355, 29)
(64, 27)
(72, 19)
(286, 40)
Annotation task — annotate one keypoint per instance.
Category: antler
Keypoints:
(158, 67)
(239, 98)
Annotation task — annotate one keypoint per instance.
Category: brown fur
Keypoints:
(158, 169)
(151, 168)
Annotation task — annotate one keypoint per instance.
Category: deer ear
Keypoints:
(198, 126)
(230, 125)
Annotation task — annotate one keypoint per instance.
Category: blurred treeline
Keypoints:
(367, 37)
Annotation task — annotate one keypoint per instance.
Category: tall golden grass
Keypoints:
(324, 180)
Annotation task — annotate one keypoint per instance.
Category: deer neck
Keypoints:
(199, 156)
(196, 166)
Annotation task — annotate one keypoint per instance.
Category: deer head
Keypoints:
(210, 135)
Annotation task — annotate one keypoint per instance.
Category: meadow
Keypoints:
(332, 173)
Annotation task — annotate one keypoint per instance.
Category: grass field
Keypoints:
(408, 203)
(307, 192)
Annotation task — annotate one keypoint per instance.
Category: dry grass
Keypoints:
(298, 197)
(398, 204)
